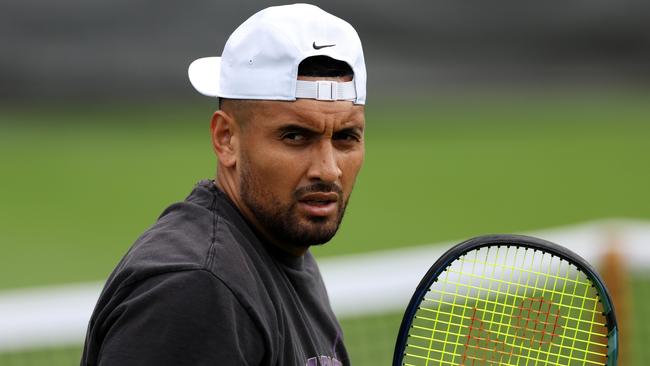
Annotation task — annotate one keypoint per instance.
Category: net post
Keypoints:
(614, 272)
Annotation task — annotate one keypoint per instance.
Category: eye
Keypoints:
(347, 137)
(294, 137)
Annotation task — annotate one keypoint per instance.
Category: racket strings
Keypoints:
(497, 303)
(604, 344)
(524, 297)
(509, 306)
(577, 281)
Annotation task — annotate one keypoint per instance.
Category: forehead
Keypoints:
(317, 114)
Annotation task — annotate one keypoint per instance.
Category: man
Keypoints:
(226, 277)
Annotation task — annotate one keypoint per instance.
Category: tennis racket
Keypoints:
(508, 300)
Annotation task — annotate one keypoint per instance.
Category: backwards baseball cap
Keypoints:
(261, 57)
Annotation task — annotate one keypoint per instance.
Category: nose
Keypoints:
(324, 163)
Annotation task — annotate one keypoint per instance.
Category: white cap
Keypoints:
(260, 59)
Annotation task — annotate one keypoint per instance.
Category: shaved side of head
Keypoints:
(242, 110)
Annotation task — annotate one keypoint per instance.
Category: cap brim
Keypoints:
(204, 75)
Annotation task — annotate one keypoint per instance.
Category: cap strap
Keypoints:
(326, 90)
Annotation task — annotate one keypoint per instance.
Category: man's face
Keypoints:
(297, 165)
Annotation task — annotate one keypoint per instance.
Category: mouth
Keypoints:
(319, 203)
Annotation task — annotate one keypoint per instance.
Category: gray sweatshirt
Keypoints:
(201, 288)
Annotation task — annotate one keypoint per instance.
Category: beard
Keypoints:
(282, 220)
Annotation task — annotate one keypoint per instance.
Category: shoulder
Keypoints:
(179, 240)
(173, 318)
(204, 235)
(187, 236)
(197, 269)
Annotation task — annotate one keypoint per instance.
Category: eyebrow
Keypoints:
(292, 127)
(296, 128)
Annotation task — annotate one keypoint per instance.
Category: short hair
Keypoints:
(320, 66)
(324, 66)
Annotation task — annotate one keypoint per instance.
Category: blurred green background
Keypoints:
(506, 116)
(80, 184)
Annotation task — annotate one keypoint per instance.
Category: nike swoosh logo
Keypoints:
(323, 46)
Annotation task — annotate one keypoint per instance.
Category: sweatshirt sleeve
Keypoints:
(180, 318)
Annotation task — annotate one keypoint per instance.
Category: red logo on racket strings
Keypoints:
(537, 321)
(491, 339)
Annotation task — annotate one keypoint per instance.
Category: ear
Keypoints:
(225, 136)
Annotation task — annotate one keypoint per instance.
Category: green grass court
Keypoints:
(79, 185)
